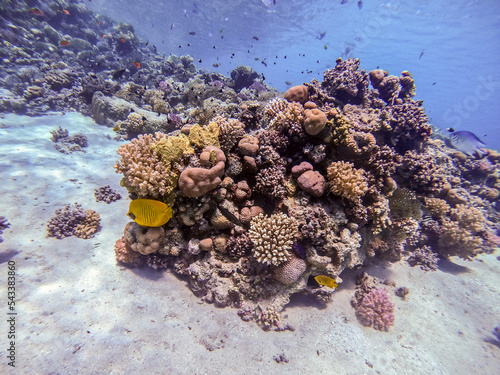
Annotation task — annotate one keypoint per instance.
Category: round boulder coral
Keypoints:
(273, 237)
(297, 94)
(290, 271)
(315, 121)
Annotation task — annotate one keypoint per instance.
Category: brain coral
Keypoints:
(290, 271)
(315, 121)
(273, 237)
(347, 181)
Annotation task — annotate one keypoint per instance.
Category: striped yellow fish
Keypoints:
(326, 281)
(149, 212)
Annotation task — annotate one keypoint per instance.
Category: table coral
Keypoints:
(273, 237)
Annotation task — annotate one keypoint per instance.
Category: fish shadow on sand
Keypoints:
(448, 266)
(6, 256)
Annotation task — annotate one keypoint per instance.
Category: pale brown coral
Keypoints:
(437, 207)
(298, 93)
(143, 171)
(455, 240)
(89, 226)
(273, 237)
(283, 115)
(290, 271)
(194, 182)
(144, 240)
(134, 122)
(314, 121)
(347, 181)
(124, 254)
(230, 131)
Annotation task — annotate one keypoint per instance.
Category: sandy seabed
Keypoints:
(78, 312)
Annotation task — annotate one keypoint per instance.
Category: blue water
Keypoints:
(457, 76)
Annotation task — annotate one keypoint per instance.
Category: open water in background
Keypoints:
(458, 75)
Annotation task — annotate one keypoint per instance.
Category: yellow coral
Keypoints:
(134, 122)
(471, 218)
(347, 181)
(88, 227)
(204, 136)
(172, 149)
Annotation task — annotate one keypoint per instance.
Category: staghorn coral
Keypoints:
(75, 221)
(273, 237)
(346, 181)
(376, 310)
(144, 172)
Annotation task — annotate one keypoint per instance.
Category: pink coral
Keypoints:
(376, 309)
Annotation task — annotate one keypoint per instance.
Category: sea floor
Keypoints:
(80, 312)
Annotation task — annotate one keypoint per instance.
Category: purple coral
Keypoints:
(376, 310)
(425, 257)
(106, 194)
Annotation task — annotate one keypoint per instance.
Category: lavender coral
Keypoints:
(376, 310)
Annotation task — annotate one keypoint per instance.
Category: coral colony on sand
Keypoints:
(267, 191)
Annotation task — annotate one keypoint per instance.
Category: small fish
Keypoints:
(322, 35)
(117, 74)
(264, 63)
(137, 64)
(146, 44)
(66, 12)
(192, 33)
(149, 212)
(326, 281)
(200, 61)
(421, 54)
(215, 65)
(360, 4)
(36, 12)
(171, 26)
(288, 83)
(64, 43)
(343, 2)
(325, 46)
(255, 37)
(154, 48)
(122, 40)
(467, 142)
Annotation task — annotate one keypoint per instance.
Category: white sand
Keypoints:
(78, 312)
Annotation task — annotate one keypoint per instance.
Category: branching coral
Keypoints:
(346, 181)
(273, 237)
(74, 222)
(376, 310)
(106, 194)
(423, 257)
(230, 132)
(346, 82)
(283, 115)
(143, 170)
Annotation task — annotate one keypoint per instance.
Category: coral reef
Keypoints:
(423, 257)
(346, 181)
(74, 221)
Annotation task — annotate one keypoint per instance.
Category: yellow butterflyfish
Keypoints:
(149, 212)
(326, 281)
